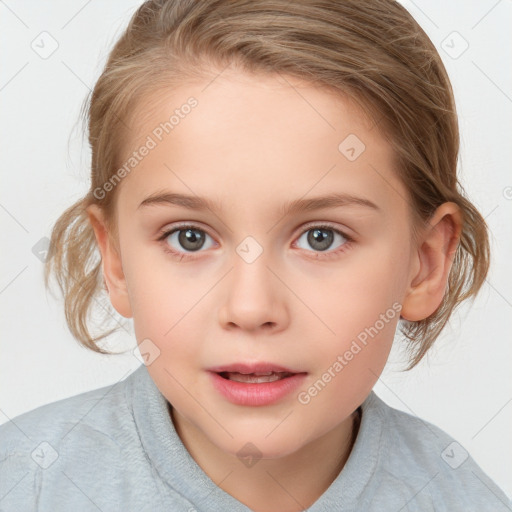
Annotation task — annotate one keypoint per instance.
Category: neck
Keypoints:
(286, 484)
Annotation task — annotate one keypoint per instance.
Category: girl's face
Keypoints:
(266, 272)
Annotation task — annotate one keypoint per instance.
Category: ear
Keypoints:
(111, 262)
(432, 263)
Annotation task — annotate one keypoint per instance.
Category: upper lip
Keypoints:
(259, 367)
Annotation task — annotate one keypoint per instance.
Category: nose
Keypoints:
(255, 299)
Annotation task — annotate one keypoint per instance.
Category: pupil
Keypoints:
(319, 240)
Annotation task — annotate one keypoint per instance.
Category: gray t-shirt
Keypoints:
(116, 449)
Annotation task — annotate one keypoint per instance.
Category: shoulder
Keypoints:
(56, 420)
(430, 466)
(78, 428)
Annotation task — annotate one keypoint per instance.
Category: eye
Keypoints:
(322, 237)
(185, 239)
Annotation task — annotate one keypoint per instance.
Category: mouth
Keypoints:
(255, 384)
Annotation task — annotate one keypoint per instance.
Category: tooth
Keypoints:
(256, 378)
(254, 373)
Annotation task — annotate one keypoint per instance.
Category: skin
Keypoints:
(254, 143)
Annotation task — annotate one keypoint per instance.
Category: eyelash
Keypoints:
(183, 256)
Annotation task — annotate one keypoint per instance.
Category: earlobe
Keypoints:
(113, 274)
(432, 263)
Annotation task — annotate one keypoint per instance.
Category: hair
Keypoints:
(372, 52)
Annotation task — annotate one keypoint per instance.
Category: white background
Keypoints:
(464, 386)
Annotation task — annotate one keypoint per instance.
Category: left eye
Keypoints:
(320, 238)
(189, 238)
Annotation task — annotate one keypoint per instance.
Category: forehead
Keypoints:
(258, 137)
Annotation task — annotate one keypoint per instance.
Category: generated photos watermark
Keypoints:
(342, 360)
(151, 142)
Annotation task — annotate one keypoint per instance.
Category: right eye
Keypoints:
(184, 240)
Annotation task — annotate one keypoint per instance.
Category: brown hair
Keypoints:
(372, 51)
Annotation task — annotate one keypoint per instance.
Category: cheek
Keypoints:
(362, 307)
(350, 363)
(161, 292)
(361, 290)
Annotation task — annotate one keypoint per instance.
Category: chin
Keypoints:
(249, 445)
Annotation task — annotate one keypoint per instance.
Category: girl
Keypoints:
(273, 193)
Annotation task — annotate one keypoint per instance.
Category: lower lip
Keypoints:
(253, 394)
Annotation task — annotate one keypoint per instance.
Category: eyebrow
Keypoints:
(292, 207)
